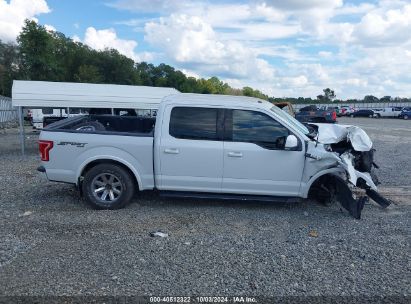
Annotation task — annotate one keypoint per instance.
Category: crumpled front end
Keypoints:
(350, 149)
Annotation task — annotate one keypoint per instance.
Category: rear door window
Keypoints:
(194, 123)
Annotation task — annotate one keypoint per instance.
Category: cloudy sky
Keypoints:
(282, 47)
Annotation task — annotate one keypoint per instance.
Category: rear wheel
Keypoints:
(352, 115)
(405, 116)
(370, 116)
(108, 186)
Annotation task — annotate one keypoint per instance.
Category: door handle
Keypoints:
(171, 151)
(235, 154)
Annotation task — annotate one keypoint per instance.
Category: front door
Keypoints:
(255, 160)
(191, 150)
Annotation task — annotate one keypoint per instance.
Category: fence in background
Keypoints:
(8, 114)
(373, 105)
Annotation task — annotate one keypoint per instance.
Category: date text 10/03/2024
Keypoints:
(206, 299)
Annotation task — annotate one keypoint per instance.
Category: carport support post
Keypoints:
(22, 135)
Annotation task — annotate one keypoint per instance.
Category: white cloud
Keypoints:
(190, 73)
(304, 4)
(50, 28)
(148, 5)
(192, 43)
(356, 82)
(76, 38)
(276, 45)
(270, 13)
(13, 14)
(384, 27)
(298, 81)
(107, 38)
(325, 54)
(350, 9)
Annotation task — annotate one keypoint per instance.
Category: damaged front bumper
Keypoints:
(349, 148)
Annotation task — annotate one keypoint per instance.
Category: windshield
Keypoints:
(290, 120)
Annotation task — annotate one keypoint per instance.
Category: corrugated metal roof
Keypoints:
(34, 94)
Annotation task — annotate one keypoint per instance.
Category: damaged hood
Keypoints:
(334, 133)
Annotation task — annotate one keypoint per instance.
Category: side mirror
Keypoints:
(291, 142)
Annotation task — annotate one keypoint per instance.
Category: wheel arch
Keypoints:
(333, 172)
(92, 163)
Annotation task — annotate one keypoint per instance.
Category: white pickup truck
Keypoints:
(388, 112)
(210, 146)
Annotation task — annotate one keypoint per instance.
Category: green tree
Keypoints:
(37, 52)
(386, 99)
(9, 66)
(329, 94)
(371, 98)
(88, 73)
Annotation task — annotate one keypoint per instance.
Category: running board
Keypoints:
(228, 196)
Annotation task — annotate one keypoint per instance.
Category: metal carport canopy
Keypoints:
(45, 94)
(42, 94)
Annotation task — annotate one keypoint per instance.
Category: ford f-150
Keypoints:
(211, 146)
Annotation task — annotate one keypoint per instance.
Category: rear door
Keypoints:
(191, 149)
(255, 160)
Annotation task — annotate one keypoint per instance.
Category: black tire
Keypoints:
(323, 191)
(405, 116)
(89, 126)
(118, 184)
(352, 115)
(370, 116)
(378, 116)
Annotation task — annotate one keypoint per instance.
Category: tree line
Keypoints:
(51, 56)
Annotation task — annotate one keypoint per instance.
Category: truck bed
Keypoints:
(106, 124)
(79, 141)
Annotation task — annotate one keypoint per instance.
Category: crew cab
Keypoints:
(210, 146)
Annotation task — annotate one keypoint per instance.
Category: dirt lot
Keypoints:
(51, 243)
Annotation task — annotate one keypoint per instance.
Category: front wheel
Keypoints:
(352, 115)
(108, 186)
(370, 116)
(405, 116)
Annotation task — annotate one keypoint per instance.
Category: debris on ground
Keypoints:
(27, 213)
(158, 234)
(313, 233)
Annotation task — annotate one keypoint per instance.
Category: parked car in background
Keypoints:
(313, 114)
(347, 110)
(45, 116)
(405, 114)
(363, 113)
(377, 112)
(337, 110)
(388, 112)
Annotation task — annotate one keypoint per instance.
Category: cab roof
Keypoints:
(217, 100)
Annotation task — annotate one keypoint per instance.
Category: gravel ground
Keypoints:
(51, 243)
